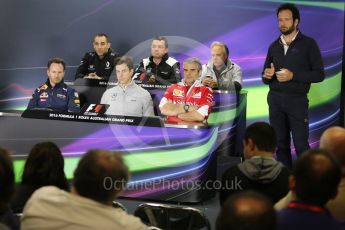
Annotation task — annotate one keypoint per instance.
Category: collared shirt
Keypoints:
(131, 100)
(92, 63)
(196, 95)
(226, 77)
(303, 58)
(286, 46)
(166, 72)
(60, 98)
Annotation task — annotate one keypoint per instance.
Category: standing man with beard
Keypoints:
(293, 62)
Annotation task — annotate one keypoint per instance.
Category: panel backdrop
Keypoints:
(33, 31)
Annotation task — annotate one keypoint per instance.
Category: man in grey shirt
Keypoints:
(127, 98)
(220, 72)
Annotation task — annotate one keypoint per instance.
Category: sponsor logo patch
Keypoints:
(178, 93)
(61, 96)
(44, 95)
(197, 95)
(113, 96)
(43, 87)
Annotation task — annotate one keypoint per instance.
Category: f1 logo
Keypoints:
(95, 108)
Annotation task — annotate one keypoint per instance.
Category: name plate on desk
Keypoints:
(91, 82)
(153, 86)
(127, 120)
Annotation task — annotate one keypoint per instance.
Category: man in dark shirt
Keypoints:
(159, 68)
(260, 171)
(293, 62)
(100, 63)
(54, 94)
(315, 180)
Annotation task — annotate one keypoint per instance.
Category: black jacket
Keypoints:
(166, 72)
(92, 63)
(263, 175)
(61, 98)
(303, 58)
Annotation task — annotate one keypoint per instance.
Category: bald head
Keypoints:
(246, 210)
(333, 140)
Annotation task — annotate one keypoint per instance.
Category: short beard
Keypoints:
(289, 31)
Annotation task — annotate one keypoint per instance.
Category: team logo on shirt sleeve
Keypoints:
(43, 87)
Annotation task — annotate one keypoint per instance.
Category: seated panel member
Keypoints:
(98, 64)
(220, 72)
(188, 100)
(159, 68)
(55, 95)
(127, 98)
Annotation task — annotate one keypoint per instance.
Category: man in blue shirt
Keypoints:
(54, 94)
(293, 62)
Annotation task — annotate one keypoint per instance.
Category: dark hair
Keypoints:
(260, 215)
(45, 166)
(102, 35)
(161, 38)
(263, 136)
(57, 61)
(317, 175)
(125, 60)
(294, 10)
(6, 178)
(100, 175)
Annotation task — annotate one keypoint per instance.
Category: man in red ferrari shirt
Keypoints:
(188, 100)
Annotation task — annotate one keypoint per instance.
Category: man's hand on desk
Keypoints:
(92, 76)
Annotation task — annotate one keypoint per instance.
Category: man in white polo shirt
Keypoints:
(127, 98)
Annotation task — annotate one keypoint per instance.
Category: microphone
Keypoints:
(145, 74)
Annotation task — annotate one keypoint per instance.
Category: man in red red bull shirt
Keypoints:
(188, 100)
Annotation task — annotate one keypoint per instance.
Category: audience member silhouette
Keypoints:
(98, 179)
(260, 171)
(247, 211)
(7, 187)
(44, 166)
(315, 181)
